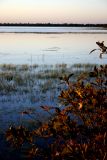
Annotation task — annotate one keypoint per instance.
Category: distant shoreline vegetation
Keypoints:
(53, 25)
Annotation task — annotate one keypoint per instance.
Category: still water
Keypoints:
(42, 45)
(50, 45)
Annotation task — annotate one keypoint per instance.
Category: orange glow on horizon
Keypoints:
(55, 12)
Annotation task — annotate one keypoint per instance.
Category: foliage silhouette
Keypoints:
(102, 48)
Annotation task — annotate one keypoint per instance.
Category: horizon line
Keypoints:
(53, 24)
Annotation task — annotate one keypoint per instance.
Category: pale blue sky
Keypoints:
(53, 11)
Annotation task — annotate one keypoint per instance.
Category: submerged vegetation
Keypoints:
(77, 128)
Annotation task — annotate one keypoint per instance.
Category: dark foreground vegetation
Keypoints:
(53, 25)
(77, 130)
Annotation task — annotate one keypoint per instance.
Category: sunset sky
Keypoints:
(53, 11)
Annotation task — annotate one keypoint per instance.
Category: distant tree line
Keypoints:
(53, 25)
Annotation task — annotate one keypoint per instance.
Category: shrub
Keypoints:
(77, 130)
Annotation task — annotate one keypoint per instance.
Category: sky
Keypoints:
(53, 11)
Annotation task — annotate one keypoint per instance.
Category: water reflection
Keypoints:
(68, 48)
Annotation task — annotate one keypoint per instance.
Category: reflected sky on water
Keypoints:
(51, 48)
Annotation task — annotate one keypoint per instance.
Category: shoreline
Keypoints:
(54, 24)
(18, 32)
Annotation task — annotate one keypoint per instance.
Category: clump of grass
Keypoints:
(86, 66)
(8, 67)
(35, 65)
(6, 87)
(47, 85)
(63, 65)
(7, 76)
(48, 74)
(19, 80)
(24, 67)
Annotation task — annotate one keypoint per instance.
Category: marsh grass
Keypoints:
(80, 65)
(14, 77)
(8, 67)
(24, 67)
(26, 85)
